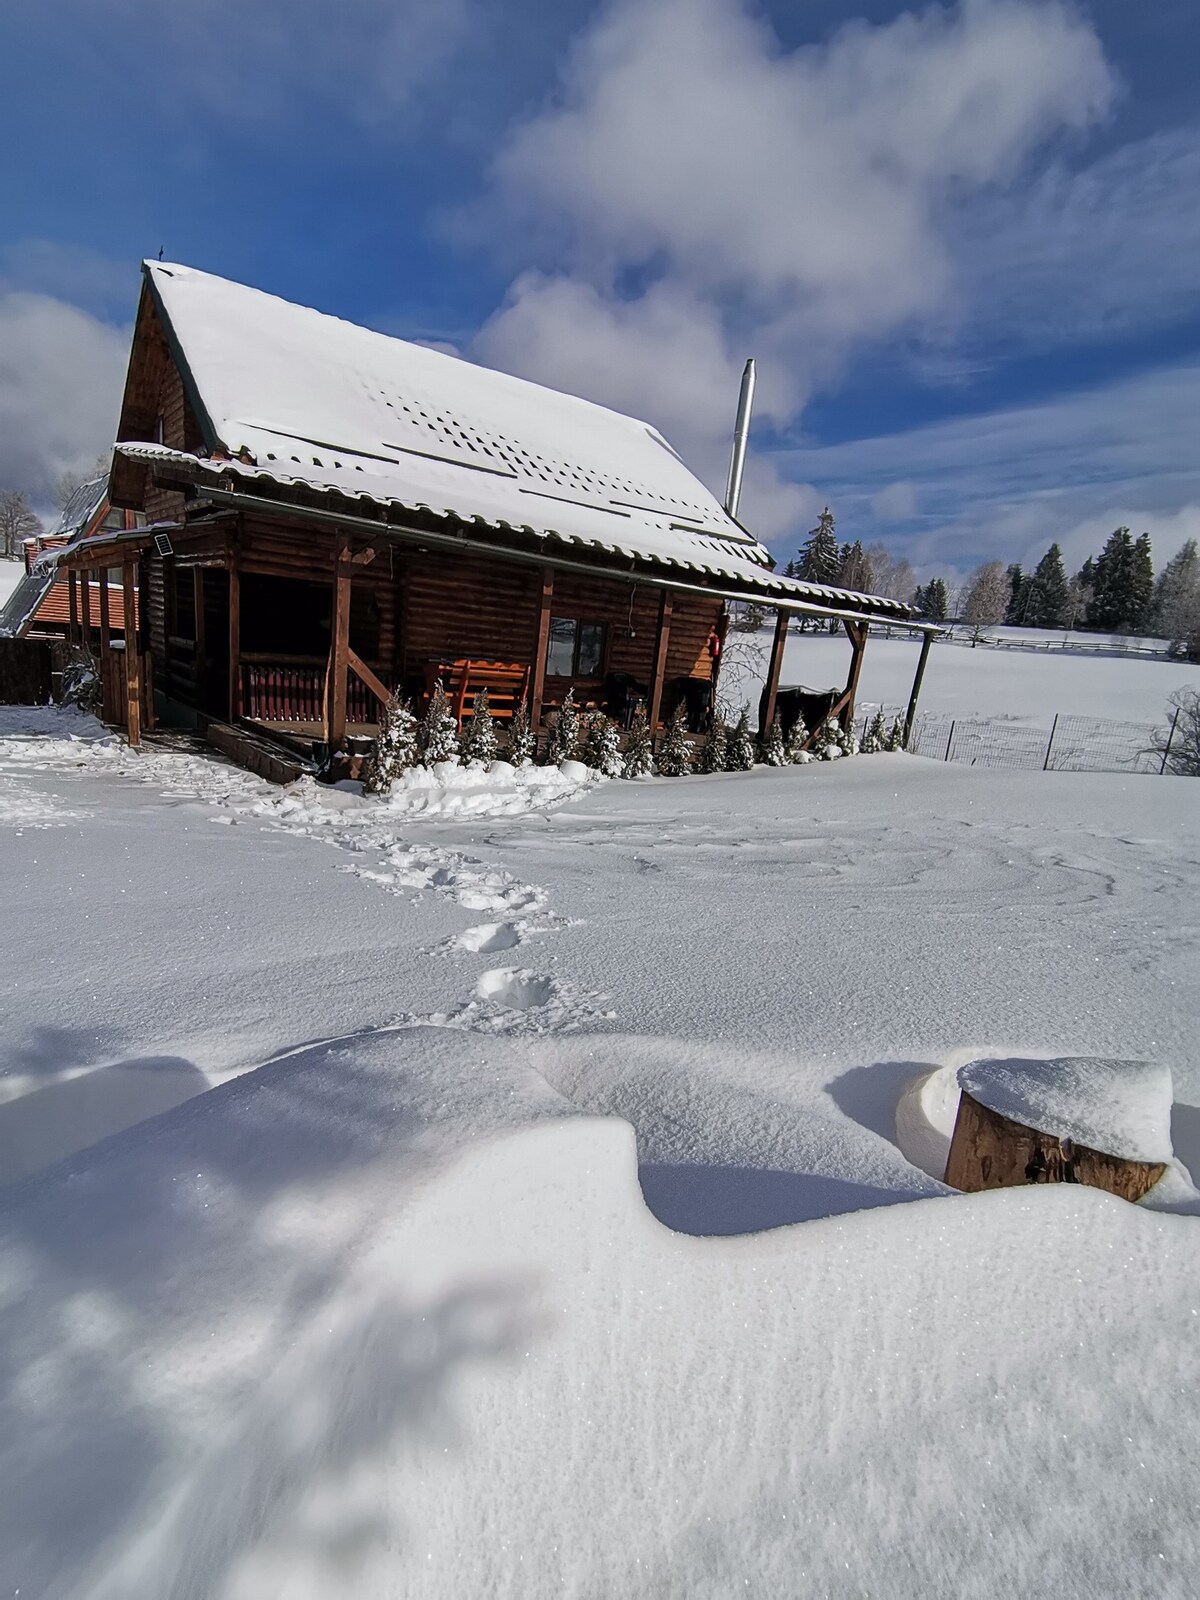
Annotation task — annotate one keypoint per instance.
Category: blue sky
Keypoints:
(962, 242)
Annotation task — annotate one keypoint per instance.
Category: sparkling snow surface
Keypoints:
(1120, 1107)
(387, 1306)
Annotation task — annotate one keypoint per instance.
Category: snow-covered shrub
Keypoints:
(675, 753)
(847, 740)
(521, 743)
(1177, 744)
(794, 750)
(81, 681)
(874, 736)
(601, 746)
(563, 743)
(773, 752)
(716, 748)
(826, 745)
(740, 755)
(395, 750)
(895, 738)
(639, 747)
(438, 737)
(479, 735)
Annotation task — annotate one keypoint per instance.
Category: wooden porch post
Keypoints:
(133, 675)
(235, 642)
(782, 623)
(72, 608)
(537, 678)
(85, 609)
(339, 650)
(661, 644)
(857, 633)
(911, 713)
(107, 707)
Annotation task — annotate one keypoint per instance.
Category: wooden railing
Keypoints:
(286, 692)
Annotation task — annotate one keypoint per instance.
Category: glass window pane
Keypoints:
(591, 649)
(560, 651)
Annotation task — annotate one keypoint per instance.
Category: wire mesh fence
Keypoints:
(1070, 744)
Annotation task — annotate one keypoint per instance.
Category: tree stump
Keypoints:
(1121, 1106)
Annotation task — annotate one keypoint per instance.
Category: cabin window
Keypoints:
(575, 648)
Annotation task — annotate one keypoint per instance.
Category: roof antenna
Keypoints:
(741, 432)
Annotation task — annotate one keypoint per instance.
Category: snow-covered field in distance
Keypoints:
(391, 1308)
(986, 682)
(11, 573)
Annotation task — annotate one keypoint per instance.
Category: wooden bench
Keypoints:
(507, 685)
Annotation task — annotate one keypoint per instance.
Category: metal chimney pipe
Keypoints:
(741, 432)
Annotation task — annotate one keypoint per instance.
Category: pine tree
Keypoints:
(438, 735)
(1141, 584)
(847, 739)
(1175, 610)
(394, 751)
(821, 556)
(1014, 613)
(1113, 585)
(639, 747)
(479, 735)
(874, 737)
(895, 738)
(1047, 595)
(521, 743)
(675, 753)
(854, 571)
(937, 600)
(794, 749)
(773, 752)
(601, 747)
(564, 732)
(716, 747)
(739, 757)
(919, 601)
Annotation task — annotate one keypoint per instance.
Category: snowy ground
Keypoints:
(388, 1311)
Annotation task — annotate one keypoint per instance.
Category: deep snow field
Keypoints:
(521, 1209)
(1004, 683)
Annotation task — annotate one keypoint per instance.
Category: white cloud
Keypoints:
(1109, 249)
(61, 371)
(1008, 483)
(697, 194)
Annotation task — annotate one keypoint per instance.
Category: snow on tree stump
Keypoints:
(1072, 1120)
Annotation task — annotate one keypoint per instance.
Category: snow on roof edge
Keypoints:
(746, 574)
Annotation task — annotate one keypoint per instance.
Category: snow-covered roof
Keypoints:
(81, 508)
(19, 610)
(1122, 1108)
(316, 401)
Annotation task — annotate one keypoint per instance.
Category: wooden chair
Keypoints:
(507, 684)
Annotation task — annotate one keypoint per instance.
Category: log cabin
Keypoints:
(333, 515)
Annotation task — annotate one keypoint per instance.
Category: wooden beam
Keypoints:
(108, 709)
(774, 668)
(910, 714)
(857, 632)
(537, 687)
(133, 676)
(339, 648)
(72, 607)
(235, 643)
(661, 643)
(361, 670)
(85, 609)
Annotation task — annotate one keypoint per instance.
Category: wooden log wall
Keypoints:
(470, 606)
